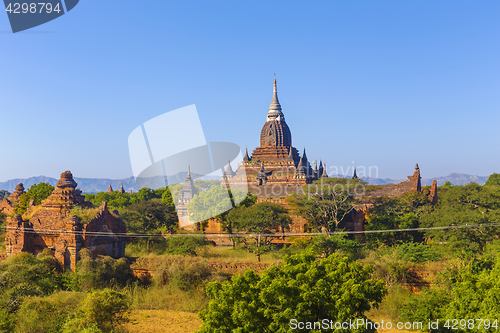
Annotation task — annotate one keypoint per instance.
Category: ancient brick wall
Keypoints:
(52, 226)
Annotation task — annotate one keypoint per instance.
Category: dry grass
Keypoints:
(167, 297)
(229, 254)
(85, 214)
(163, 321)
(166, 321)
(31, 211)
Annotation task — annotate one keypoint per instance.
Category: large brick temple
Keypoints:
(52, 225)
(275, 168)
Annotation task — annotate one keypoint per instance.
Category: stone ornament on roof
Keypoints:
(66, 181)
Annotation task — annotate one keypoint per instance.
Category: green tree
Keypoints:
(303, 288)
(469, 204)
(101, 311)
(470, 295)
(261, 220)
(204, 185)
(37, 193)
(476, 296)
(493, 180)
(327, 202)
(151, 216)
(167, 198)
(327, 245)
(210, 203)
(401, 212)
(4, 194)
(216, 202)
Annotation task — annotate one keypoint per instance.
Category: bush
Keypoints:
(185, 275)
(101, 311)
(7, 321)
(24, 275)
(46, 314)
(426, 306)
(171, 245)
(417, 252)
(98, 272)
(388, 267)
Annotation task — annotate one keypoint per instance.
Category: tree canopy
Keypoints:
(4, 194)
(327, 202)
(460, 205)
(37, 193)
(260, 219)
(303, 289)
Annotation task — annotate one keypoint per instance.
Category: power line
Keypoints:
(237, 235)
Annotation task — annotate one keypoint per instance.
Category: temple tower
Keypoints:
(275, 136)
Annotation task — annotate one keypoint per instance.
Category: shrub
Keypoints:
(426, 306)
(184, 275)
(46, 314)
(101, 311)
(417, 252)
(7, 321)
(171, 245)
(98, 272)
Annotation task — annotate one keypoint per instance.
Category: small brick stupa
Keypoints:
(18, 191)
(7, 205)
(52, 226)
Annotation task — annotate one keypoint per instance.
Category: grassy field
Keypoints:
(165, 321)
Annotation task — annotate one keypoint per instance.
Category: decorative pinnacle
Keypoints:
(246, 158)
(189, 172)
(275, 107)
(290, 154)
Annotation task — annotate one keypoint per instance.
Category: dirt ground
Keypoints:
(163, 321)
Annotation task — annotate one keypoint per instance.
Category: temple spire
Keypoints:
(290, 154)
(246, 158)
(229, 170)
(355, 176)
(324, 175)
(189, 172)
(304, 157)
(275, 107)
(300, 171)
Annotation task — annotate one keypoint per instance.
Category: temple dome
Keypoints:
(275, 131)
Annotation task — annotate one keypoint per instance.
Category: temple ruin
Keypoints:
(53, 225)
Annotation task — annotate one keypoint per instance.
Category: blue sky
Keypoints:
(371, 83)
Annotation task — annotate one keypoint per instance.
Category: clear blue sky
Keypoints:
(374, 83)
